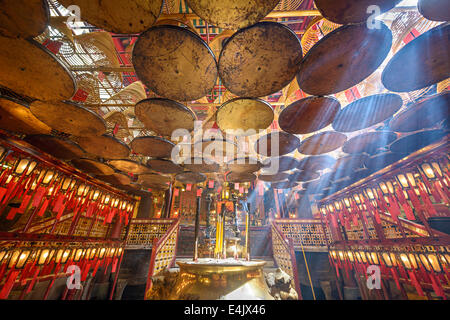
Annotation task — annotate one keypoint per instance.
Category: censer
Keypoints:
(222, 278)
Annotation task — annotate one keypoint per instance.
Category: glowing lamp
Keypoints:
(18, 258)
(409, 261)
(44, 257)
(375, 259)
(431, 170)
(434, 261)
(92, 253)
(357, 198)
(25, 164)
(101, 253)
(48, 177)
(81, 189)
(387, 259)
(358, 257)
(95, 195)
(350, 256)
(66, 184)
(115, 202)
(386, 187)
(341, 255)
(363, 256)
(347, 202)
(119, 252)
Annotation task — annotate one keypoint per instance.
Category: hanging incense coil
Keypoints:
(69, 117)
(280, 176)
(190, 177)
(23, 18)
(330, 66)
(164, 166)
(260, 60)
(232, 14)
(301, 176)
(115, 179)
(90, 166)
(369, 142)
(284, 163)
(126, 165)
(240, 177)
(382, 160)
(219, 149)
(277, 144)
(164, 116)
(316, 163)
(244, 164)
(323, 142)
(284, 185)
(118, 16)
(404, 72)
(366, 112)
(308, 115)
(436, 10)
(31, 70)
(352, 11)
(416, 141)
(153, 178)
(15, 116)
(60, 148)
(202, 165)
(105, 146)
(244, 116)
(423, 114)
(152, 146)
(175, 63)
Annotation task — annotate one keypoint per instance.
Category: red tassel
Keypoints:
(58, 203)
(97, 265)
(24, 204)
(114, 266)
(12, 213)
(43, 208)
(395, 276)
(2, 193)
(33, 281)
(60, 212)
(38, 196)
(436, 286)
(9, 284)
(416, 284)
(426, 200)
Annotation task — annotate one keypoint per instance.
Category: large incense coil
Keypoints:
(60, 148)
(232, 14)
(424, 114)
(15, 116)
(280, 176)
(92, 166)
(118, 16)
(240, 177)
(164, 116)
(175, 63)
(369, 142)
(352, 11)
(244, 116)
(152, 146)
(152, 178)
(323, 142)
(316, 163)
(69, 117)
(105, 146)
(190, 177)
(31, 70)
(277, 144)
(284, 163)
(164, 166)
(218, 149)
(416, 141)
(343, 58)
(116, 179)
(203, 165)
(127, 165)
(308, 115)
(132, 187)
(436, 10)
(366, 112)
(284, 185)
(407, 72)
(244, 164)
(301, 176)
(23, 18)
(351, 162)
(260, 60)
(382, 160)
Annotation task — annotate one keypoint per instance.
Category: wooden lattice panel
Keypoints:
(281, 253)
(310, 235)
(166, 254)
(142, 235)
